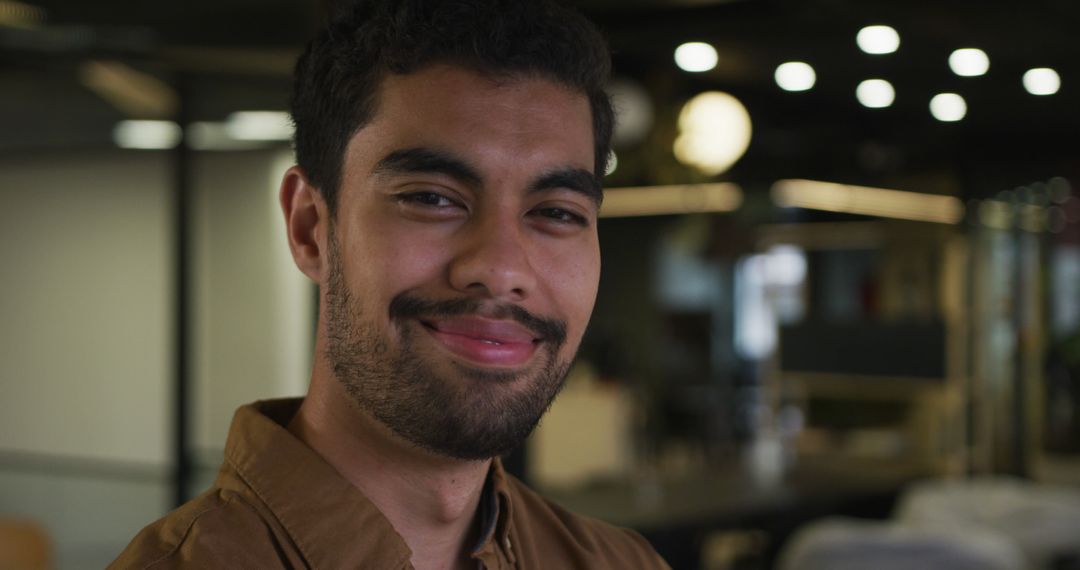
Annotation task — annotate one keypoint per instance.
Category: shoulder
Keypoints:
(546, 530)
(218, 529)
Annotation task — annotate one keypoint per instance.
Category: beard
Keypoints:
(453, 410)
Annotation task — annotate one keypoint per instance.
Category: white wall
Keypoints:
(255, 312)
(85, 297)
(86, 346)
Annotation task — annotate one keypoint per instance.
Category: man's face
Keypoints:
(464, 258)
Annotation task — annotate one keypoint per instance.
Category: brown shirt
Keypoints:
(277, 504)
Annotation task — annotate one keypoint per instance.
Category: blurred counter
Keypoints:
(679, 513)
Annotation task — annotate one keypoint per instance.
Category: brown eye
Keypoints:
(562, 216)
(428, 199)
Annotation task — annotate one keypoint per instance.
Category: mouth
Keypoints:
(484, 342)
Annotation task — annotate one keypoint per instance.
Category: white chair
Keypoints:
(1043, 520)
(853, 544)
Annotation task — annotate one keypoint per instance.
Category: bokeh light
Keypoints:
(795, 76)
(875, 93)
(948, 107)
(696, 57)
(878, 40)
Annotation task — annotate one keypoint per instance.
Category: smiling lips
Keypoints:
(483, 341)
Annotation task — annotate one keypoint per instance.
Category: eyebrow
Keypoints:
(575, 179)
(434, 161)
(430, 161)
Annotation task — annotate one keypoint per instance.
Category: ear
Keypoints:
(306, 223)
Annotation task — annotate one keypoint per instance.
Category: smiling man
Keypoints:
(450, 155)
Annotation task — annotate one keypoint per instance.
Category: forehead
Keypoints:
(449, 90)
(502, 121)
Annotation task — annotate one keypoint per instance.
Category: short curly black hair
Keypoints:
(338, 76)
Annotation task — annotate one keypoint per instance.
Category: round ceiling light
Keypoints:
(969, 62)
(1042, 81)
(948, 107)
(878, 40)
(795, 76)
(875, 93)
(714, 132)
(696, 57)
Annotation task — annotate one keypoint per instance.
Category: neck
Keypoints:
(431, 501)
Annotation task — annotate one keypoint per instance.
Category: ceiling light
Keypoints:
(133, 92)
(1042, 81)
(259, 126)
(696, 57)
(714, 132)
(20, 15)
(875, 93)
(969, 62)
(146, 135)
(865, 201)
(795, 76)
(948, 107)
(665, 200)
(878, 39)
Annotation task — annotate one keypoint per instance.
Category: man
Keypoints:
(445, 200)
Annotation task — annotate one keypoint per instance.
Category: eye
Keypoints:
(562, 216)
(426, 205)
(426, 198)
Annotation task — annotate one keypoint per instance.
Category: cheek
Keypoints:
(389, 260)
(575, 284)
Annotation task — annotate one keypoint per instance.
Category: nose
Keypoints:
(492, 261)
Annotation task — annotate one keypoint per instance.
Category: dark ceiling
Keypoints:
(226, 55)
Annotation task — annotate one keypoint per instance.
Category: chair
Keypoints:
(853, 544)
(23, 546)
(1043, 520)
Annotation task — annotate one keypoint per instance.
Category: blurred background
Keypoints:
(839, 313)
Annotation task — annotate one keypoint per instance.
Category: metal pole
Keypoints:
(1021, 283)
(182, 207)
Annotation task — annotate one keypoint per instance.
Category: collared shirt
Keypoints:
(278, 504)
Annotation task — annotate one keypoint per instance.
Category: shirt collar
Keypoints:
(332, 523)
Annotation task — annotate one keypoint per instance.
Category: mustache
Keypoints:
(405, 306)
